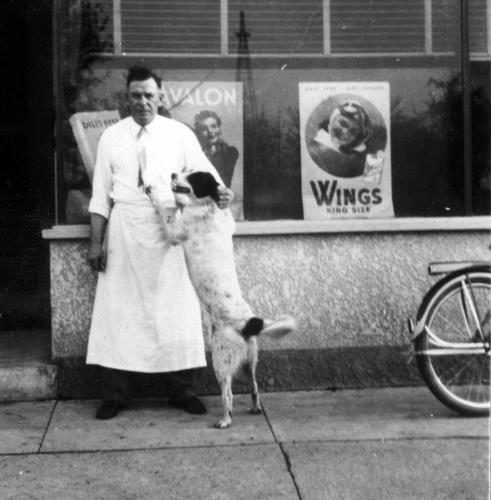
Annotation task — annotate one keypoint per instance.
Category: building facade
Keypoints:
(360, 132)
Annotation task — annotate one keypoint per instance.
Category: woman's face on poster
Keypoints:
(209, 130)
(344, 130)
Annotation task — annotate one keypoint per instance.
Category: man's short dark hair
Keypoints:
(140, 74)
(203, 115)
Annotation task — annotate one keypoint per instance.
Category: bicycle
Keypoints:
(451, 337)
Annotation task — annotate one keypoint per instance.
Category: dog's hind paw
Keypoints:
(256, 410)
(223, 423)
(279, 328)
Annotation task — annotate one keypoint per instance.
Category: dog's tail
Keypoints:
(274, 328)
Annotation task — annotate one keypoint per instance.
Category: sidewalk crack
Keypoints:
(286, 456)
(47, 426)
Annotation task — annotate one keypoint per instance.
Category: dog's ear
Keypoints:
(203, 184)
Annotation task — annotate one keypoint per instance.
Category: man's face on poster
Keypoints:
(209, 131)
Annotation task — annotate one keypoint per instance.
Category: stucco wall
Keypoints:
(345, 290)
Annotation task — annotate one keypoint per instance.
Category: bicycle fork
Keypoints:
(471, 314)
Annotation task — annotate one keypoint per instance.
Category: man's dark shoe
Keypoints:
(108, 409)
(192, 405)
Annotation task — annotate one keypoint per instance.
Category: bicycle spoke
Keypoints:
(465, 380)
(450, 326)
(455, 376)
(484, 378)
(479, 387)
(473, 386)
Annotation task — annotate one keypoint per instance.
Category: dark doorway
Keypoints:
(26, 155)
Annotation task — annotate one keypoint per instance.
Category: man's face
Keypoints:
(144, 98)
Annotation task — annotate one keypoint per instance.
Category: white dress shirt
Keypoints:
(170, 147)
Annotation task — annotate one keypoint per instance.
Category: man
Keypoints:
(146, 315)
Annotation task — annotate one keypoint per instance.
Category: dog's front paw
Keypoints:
(223, 423)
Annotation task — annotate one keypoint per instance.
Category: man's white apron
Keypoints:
(146, 314)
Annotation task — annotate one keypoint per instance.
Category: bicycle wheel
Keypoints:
(450, 352)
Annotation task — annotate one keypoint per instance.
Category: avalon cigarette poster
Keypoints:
(214, 111)
(345, 150)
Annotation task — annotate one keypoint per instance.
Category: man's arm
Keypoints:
(195, 159)
(97, 257)
(100, 204)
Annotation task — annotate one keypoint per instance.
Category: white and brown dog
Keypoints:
(205, 232)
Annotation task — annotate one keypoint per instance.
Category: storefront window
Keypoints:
(280, 75)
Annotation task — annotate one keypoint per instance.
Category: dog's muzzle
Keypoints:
(180, 189)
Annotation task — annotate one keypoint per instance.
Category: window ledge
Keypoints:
(250, 228)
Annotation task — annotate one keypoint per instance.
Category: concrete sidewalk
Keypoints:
(395, 443)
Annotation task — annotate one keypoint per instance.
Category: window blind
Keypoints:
(277, 26)
(479, 18)
(170, 26)
(445, 16)
(281, 26)
(377, 26)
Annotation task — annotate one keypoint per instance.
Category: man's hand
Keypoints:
(97, 258)
(225, 196)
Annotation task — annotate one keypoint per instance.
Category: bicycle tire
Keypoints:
(469, 395)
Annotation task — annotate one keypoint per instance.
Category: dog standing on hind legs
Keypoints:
(205, 232)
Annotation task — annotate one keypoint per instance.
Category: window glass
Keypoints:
(172, 26)
(425, 105)
(90, 24)
(481, 137)
(378, 26)
(444, 24)
(479, 24)
(277, 27)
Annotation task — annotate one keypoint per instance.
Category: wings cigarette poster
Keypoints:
(214, 111)
(345, 150)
